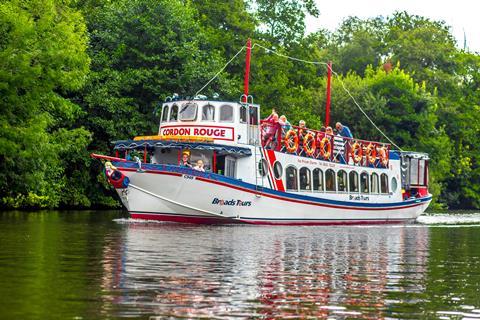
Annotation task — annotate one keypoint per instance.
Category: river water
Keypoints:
(98, 265)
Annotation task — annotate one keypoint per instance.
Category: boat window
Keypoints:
(317, 180)
(374, 183)
(364, 182)
(342, 181)
(353, 181)
(253, 114)
(230, 167)
(330, 180)
(188, 112)
(305, 179)
(226, 113)
(243, 114)
(291, 175)
(173, 113)
(262, 167)
(208, 113)
(277, 170)
(383, 183)
(165, 113)
(414, 174)
(394, 184)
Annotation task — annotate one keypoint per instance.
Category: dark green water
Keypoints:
(99, 265)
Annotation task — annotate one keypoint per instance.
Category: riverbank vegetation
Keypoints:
(78, 74)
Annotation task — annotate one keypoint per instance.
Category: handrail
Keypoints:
(103, 157)
(362, 152)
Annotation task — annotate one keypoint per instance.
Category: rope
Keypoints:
(309, 62)
(216, 75)
(341, 82)
(365, 114)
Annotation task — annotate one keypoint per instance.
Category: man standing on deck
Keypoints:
(344, 131)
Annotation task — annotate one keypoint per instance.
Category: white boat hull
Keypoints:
(183, 195)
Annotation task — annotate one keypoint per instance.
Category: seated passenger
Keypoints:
(199, 166)
(344, 131)
(302, 130)
(185, 162)
(284, 124)
(329, 130)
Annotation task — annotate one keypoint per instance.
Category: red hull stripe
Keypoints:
(181, 218)
(269, 169)
(207, 220)
(282, 198)
(272, 158)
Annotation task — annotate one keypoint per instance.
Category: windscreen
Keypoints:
(188, 112)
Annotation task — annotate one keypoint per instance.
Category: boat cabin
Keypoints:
(217, 121)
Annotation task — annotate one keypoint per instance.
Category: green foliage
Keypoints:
(283, 21)
(42, 60)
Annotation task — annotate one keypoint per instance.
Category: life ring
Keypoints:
(291, 141)
(325, 143)
(309, 150)
(357, 152)
(371, 153)
(118, 180)
(383, 155)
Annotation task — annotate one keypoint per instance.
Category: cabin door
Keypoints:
(253, 132)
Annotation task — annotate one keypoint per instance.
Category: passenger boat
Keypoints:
(256, 173)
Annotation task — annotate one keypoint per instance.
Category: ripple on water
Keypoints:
(471, 219)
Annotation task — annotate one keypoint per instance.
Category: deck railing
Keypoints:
(320, 145)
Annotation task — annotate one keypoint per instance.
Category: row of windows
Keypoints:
(341, 181)
(188, 112)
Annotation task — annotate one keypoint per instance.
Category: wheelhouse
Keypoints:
(224, 122)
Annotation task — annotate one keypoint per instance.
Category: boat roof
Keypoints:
(221, 148)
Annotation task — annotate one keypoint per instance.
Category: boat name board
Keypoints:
(219, 133)
(232, 202)
(359, 198)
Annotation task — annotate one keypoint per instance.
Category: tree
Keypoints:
(358, 44)
(283, 21)
(42, 61)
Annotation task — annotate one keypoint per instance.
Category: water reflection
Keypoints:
(170, 270)
(85, 265)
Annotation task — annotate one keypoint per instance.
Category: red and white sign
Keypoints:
(218, 133)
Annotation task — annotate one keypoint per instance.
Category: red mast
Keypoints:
(247, 70)
(329, 80)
